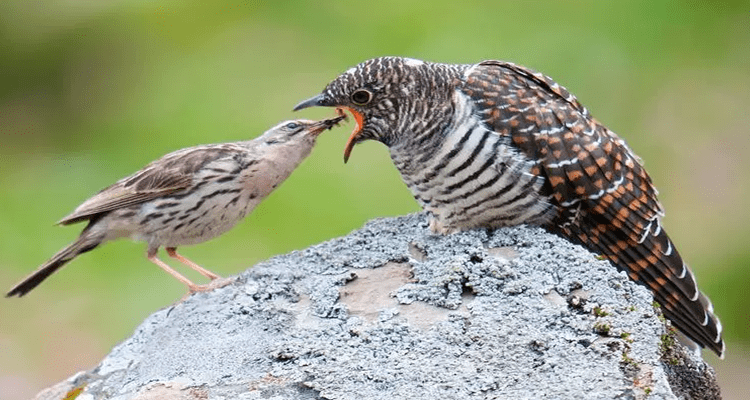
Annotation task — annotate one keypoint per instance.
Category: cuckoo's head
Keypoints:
(387, 96)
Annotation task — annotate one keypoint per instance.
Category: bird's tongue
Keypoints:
(353, 138)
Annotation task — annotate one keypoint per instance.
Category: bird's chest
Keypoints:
(203, 214)
(472, 177)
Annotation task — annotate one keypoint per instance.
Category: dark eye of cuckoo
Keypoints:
(361, 97)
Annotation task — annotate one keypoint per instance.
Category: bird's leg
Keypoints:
(151, 255)
(172, 251)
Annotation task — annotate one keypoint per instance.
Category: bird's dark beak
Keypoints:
(316, 101)
(321, 100)
(320, 126)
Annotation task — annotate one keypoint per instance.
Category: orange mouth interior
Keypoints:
(359, 120)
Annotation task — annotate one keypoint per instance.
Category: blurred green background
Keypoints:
(90, 91)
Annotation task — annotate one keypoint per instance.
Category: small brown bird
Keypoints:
(187, 197)
(496, 144)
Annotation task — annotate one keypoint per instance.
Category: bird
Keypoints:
(496, 144)
(186, 197)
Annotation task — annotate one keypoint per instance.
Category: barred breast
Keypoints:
(475, 177)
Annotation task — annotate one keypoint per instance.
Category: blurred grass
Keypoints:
(92, 91)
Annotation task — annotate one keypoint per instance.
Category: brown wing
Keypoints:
(606, 199)
(172, 173)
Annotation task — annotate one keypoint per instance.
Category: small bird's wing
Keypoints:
(170, 174)
(607, 200)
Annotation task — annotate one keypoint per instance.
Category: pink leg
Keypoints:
(151, 255)
(172, 251)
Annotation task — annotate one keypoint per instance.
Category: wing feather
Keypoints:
(606, 200)
(170, 174)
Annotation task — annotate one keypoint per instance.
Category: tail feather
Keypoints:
(82, 245)
(657, 271)
(718, 343)
(642, 233)
(644, 267)
(654, 262)
(689, 309)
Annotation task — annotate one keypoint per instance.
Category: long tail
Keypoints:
(83, 244)
(654, 262)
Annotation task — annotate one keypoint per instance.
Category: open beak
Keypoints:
(320, 126)
(358, 119)
(320, 101)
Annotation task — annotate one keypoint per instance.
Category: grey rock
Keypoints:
(392, 311)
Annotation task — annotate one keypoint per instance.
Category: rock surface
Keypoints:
(393, 312)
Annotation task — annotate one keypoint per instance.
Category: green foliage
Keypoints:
(73, 393)
(628, 360)
(602, 328)
(599, 312)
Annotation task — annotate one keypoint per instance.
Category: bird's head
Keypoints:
(380, 93)
(298, 130)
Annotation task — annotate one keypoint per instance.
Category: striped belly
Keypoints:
(475, 179)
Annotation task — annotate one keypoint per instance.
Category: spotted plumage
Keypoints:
(496, 144)
(186, 197)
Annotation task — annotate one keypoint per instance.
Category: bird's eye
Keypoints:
(292, 125)
(361, 97)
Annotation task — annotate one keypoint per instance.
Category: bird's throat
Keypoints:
(359, 121)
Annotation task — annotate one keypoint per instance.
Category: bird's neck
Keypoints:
(453, 117)
(290, 154)
(432, 106)
(282, 157)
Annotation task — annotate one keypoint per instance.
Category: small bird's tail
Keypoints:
(83, 244)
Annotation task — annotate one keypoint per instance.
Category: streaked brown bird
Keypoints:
(187, 197)
(496, 144)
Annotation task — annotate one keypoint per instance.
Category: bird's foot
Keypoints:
(214, 284)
